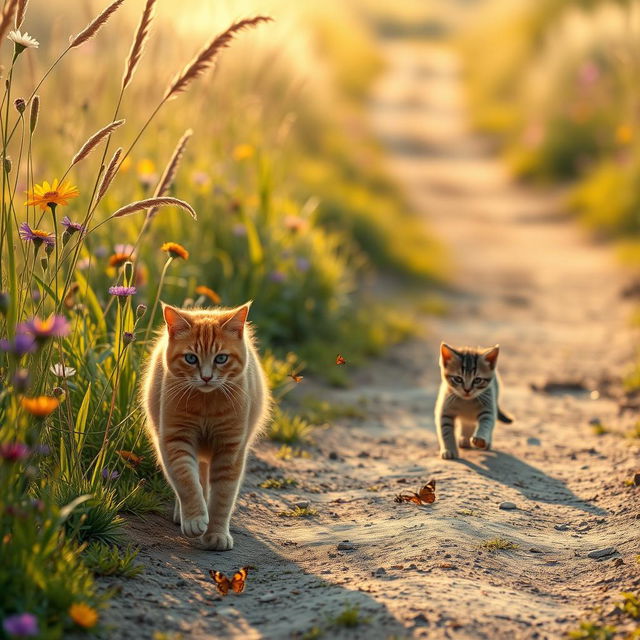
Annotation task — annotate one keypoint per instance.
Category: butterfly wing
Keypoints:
(130, 457)
(238, 580)
(428, 492)
(223, 583)
(296, 378)
(340, 359)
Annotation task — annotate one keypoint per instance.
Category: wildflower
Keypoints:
(200, 178)
(122, 292)
(125, 165)
(624, 134)
(53, 326)
(13, 451)
(118, 259)
(147, 173)
(20, 345)
(588, 74)
(277, 276)
(20, 105)
(22, 41)
(41, 406)
(83, 615)
(51, 195)
(209, 293)
(295, 224)
(175, 250)
(303, 264)
(21, 625)
(239, 230)
(59, 394)
(243, 152)
(61, 371)
(71, 226)
(141, 309)
(110, 475)
(128, 337)
(21, 380)
(37, 236)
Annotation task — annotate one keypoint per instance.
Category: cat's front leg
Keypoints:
(445, 426)
(225, 475)
(181, 466)
(481, 438)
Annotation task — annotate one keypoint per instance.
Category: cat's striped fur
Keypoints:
(206, 398)
(469, 396)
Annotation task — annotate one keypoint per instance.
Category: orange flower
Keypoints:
(40, 406)
(209, 293)
(175, 250)
(118, 259)
(243, 152)
(45, 195)
(83, 615)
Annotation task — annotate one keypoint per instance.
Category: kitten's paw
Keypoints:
(176, 513)
(447, 454)
(464, 443)
(196, 526)
(480, 443)
(216, 541)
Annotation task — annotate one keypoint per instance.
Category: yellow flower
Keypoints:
(40, 406)
(125, 165)
(243, 152)
(209, 293)
(175, 250)
(56, 193)
(624, 134)
(145, 167)
(83, 615)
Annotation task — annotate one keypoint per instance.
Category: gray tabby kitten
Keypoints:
(469, 394)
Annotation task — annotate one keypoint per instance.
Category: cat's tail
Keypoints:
(504, 417)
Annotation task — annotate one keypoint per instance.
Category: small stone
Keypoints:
(333, 455)
(534, 550)
(268, 597)
(601, 553)
(303, 504)
(535, 442)
(561, 527)
(346, 546)
(507, 506)
(421, 619)
(379, 572)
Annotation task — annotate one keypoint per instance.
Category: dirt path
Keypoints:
(528, 280)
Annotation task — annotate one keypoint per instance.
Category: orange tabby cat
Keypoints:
(206, 399)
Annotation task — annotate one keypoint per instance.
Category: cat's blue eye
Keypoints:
(191, 358)
(221, 358)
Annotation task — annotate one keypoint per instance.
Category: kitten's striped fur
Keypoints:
(206, 399)
(468, 395)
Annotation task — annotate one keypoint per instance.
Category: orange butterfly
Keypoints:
(296, 378)
(236, 584)
(340, 360)
(130, 458)
(426, 495)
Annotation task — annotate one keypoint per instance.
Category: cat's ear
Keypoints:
(446, 352)
(177, 324)
(235, 324)
(491, 356)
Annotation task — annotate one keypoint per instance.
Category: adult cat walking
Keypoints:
(206, 399)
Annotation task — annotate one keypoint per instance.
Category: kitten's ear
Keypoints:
(177, 324)
(491, 356)
(446, 352)
(235, 324)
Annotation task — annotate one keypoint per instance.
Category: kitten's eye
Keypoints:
(457, 379)
(477, 380)
(221, 358)
(191, 358)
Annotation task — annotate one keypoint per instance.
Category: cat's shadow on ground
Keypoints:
(533, 483)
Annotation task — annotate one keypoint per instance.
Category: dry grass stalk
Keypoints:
(169, 174)
(205, 59)
(142, 35)
(166, 201)
(33, 115)
(22, 9)
(109, 174)
(7, 16)
(95, 25)
(95, 140)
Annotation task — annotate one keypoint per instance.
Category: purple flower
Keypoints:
(239, 230)
(303, 264)
(36, 236)
(72, 227)
(110, 475)
(21, 625)
(13, 451)
(53, 326)
(20, 345)
(277, 276)
(121, 291)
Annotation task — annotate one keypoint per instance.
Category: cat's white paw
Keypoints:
(216, 541)
(480, 443)
(464, 443)
(196, 526)
(447, 454)
(176, 512)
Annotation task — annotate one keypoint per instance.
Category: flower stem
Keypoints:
(155, 303)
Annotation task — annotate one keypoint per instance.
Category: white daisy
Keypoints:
(59, 370)
(22, 40)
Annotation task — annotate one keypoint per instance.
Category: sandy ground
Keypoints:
(527, 279)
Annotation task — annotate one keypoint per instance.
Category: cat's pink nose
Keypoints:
(206, 378)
